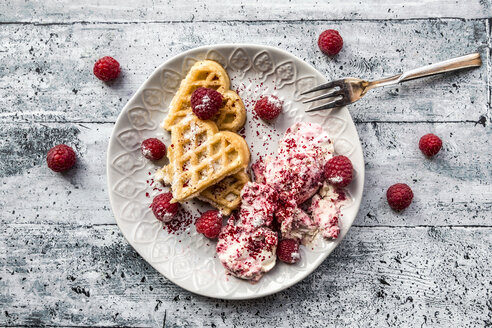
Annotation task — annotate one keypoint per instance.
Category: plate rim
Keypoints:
(259, 294)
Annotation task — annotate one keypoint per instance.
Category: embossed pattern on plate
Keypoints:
(188, 259)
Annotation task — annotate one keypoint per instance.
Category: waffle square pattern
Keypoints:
(207, 74)
(226, 194)
(201, 156)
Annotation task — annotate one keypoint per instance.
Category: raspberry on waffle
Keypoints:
(207, 74)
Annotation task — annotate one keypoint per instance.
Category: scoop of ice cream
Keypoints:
(296, 176)
(296, 224)
(258, 204)
(325, 210)
(307, 138)
(246, 254)
(297, 171)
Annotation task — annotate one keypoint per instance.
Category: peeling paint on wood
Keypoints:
(67, 276)
(56, 11)
(50, 77)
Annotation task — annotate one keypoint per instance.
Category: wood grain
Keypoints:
(67, 276)
(451, 189)
(50, 77)
(63, 261)
(62, 11)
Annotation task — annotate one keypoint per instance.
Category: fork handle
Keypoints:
(471, 60)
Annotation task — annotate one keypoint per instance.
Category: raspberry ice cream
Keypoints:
(247, 254)
(283, 184)
(325, 210)
(258, 204)
(296, 224)
(247, 246)
(296, 173)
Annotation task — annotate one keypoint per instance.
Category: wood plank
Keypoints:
(61, 11)
(49, 78)
(66, 276)
(452, 189)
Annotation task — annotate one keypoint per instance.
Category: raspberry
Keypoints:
(338, 171)
(288, 251)
(106, 68)
(430, 144)
(61, 158)
(205, 103)
(330, 42)
(163, 209)
(268, 108)
(153, 149)
(209, 224)
(399, 196)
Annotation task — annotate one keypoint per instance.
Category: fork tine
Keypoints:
(328, 85)
(335, 83)
(328, 95)
(331, 104)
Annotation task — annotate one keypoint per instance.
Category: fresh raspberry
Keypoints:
(153, 149)
(106, 68)
(209, 224)
(399, 196)
(206, 102)
(288, 251)
(61, 158)
(430, 144)
(162, 207)
(330, 42)
(269, 107)
(338, 171)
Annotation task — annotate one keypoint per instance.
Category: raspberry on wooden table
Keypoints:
(430, 144)
(209, 224)
(61, 158)
(399, 196)
(162, 207)
(338, 171)
(206, 102)
(269, 107)
(153, 149)
(288, 251)
(330, 42)
(106, 69)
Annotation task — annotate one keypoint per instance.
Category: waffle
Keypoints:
(200, 156)
(226, 194)
(207, 74)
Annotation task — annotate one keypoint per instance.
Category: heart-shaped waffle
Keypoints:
(207, 74)
(226, 194)
(200, 156)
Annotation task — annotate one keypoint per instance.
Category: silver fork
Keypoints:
(349, 90)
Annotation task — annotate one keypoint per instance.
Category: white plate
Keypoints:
(189, 259)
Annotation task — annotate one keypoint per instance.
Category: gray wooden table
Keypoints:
(64, 262)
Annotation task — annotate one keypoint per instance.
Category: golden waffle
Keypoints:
(226, 194)
(200, 156)
(207, 74)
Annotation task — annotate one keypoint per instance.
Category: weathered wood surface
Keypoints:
(402, 277)
(64, 11)
(451, 189)
(50, 77)
(63, 262)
